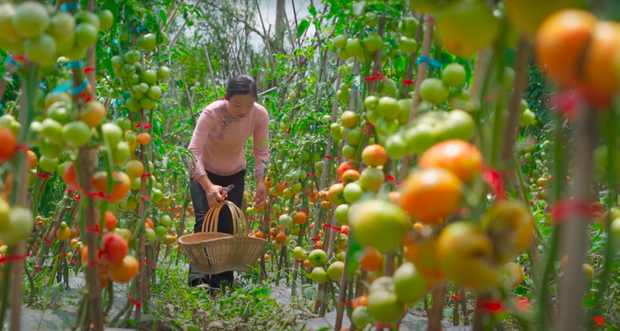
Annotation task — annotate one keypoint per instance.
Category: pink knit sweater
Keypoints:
(218, 142)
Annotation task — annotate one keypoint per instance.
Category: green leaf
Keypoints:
(303, 26)
(312, 10)
(162, 16)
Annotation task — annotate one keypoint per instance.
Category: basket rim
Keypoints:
(224, 236)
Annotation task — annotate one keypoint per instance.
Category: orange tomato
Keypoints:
(259, 234)
(124, 271)
(601, 57)
(430, 195)
(122, 184)
(344, 229)
(343, 167)
(362, 301)
(307, 263)
(143, 138)
(134, 168)
(148, 224)
(93, 113)
(372, 260)
(281, 187)
(104, 281)
(9, 143)
(374, 155)
(350, 176)
(266, 257)
(268, 182)
(300, 218)
(422, 253)
(318, 245)
(70, 177)
(560, 43)
(110, 221)
(32, 159)
(324, 204)
(459, 157)
(281, 237)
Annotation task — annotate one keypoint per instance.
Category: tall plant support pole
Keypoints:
(213, 82)
(344, 279)
(575, 229)
(420, 76)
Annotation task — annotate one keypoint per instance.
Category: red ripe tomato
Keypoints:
(457, 156)
(344, 166)
(9, 143)
(344, 229)
(115, 248)
(374, 155)
(70, 177)
(110, 221)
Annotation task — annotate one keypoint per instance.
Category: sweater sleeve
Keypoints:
(261, 143)
(197, 144)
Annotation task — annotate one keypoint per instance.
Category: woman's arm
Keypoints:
(196, 146)
(261, 145)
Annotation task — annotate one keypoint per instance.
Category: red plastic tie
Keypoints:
(304, 211)
(147, 197)
(389, 177)
(273, 196)
(267, 218)
(299, 261)
(279, 214)
(20, 57)
(93, 263)
(311, 175)
(88, 69)
(494, 179)
(63, 255)
(564, 208)
(73, 261)
(369, 124)
(328, 157)
(388, 326)
(491, 306)
(94, 229)
(338, 158)
(261, 222)
(333, 227)
(44, 176)
(69, 190)
(430, 19)
(376, 76)
(144, 125)
(38, 268)
(315, 239)
(408, 82)
(455, 298)
(147, 262)
(251, 219)
(46, 240)
(303, 232)
(12, 258)
(22, 147)
(344, 304)
(367, 132)
(137, 303)
(147, 175)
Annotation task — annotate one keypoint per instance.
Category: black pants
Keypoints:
(201, 206)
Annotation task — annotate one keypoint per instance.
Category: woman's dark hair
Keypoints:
(241, 85)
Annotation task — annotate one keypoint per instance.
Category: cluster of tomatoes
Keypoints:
(30, 28)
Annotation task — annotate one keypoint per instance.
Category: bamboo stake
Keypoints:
(213, 82)
(574, 230)
(420, 76)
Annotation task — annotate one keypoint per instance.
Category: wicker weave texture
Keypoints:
(212, 252)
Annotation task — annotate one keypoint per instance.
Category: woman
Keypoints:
(218, 144)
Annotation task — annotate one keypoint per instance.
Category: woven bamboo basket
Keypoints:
(212, 252)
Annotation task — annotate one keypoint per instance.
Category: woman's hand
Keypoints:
(261, 193)
(214, 195)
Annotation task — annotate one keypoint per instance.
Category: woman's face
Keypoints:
(241, 105)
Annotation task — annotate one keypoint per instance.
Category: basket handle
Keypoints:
(210, 223)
